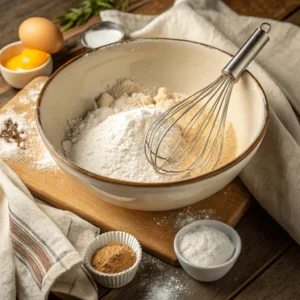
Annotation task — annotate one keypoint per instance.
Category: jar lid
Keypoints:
(102, 33)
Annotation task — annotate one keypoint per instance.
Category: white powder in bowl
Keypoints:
(97, 38)
(119, 144)
(109, 140)
(206, 246)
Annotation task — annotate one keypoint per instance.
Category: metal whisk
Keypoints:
(206, 111)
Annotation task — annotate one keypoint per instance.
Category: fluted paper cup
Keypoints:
(118, 279)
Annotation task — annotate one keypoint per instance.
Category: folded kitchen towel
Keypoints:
(273, 175)
(41, 247)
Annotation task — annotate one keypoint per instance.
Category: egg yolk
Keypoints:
(29, 59)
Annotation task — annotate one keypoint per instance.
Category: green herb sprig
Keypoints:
(88, 8)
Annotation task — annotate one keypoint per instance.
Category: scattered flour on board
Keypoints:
(13, 129)
(19, 137)
(46, 161)
(31, 95)
(175, 220)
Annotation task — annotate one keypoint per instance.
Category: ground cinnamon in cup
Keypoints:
(113, 258)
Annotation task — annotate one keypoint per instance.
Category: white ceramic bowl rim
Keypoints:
(25, 71)
(138, 258)
(202, 222)
(198, 178)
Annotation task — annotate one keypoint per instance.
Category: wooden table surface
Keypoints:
(268, 267)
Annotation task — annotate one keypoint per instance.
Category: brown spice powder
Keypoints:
(113, 258)
(10, 133)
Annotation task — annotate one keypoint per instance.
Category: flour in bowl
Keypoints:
(109, 140)
(206, 246)
(115, 147)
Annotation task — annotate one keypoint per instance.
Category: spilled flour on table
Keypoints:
(168, 290)
(157, 284)
(19, 137)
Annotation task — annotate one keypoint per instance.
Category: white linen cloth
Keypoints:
(273, 175)
(41, 247)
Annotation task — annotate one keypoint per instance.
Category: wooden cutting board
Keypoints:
(155, 230)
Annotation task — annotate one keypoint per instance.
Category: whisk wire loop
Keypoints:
(190, 146)
(213, 118)
(165, 117)
(185, 131)
(207, 159)
(194, 129)
(175, 162)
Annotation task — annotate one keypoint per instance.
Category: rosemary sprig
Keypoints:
(88, 8)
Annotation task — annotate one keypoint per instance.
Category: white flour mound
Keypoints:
(109, 141)
(206, 246)
(115, 147)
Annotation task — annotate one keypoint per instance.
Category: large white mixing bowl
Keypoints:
(181, 66)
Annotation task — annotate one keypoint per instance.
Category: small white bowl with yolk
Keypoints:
(20, 78)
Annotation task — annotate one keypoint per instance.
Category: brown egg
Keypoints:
(41, 34)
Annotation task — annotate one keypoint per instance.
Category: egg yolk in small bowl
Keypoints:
(28, 59)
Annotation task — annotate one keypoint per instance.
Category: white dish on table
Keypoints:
(180, 66)
(105, 33)
(118, 279)
(19, 79)
(208, 274)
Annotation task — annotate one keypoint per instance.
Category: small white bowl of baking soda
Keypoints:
(207, 249)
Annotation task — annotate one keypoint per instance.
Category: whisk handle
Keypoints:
(238, 64)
